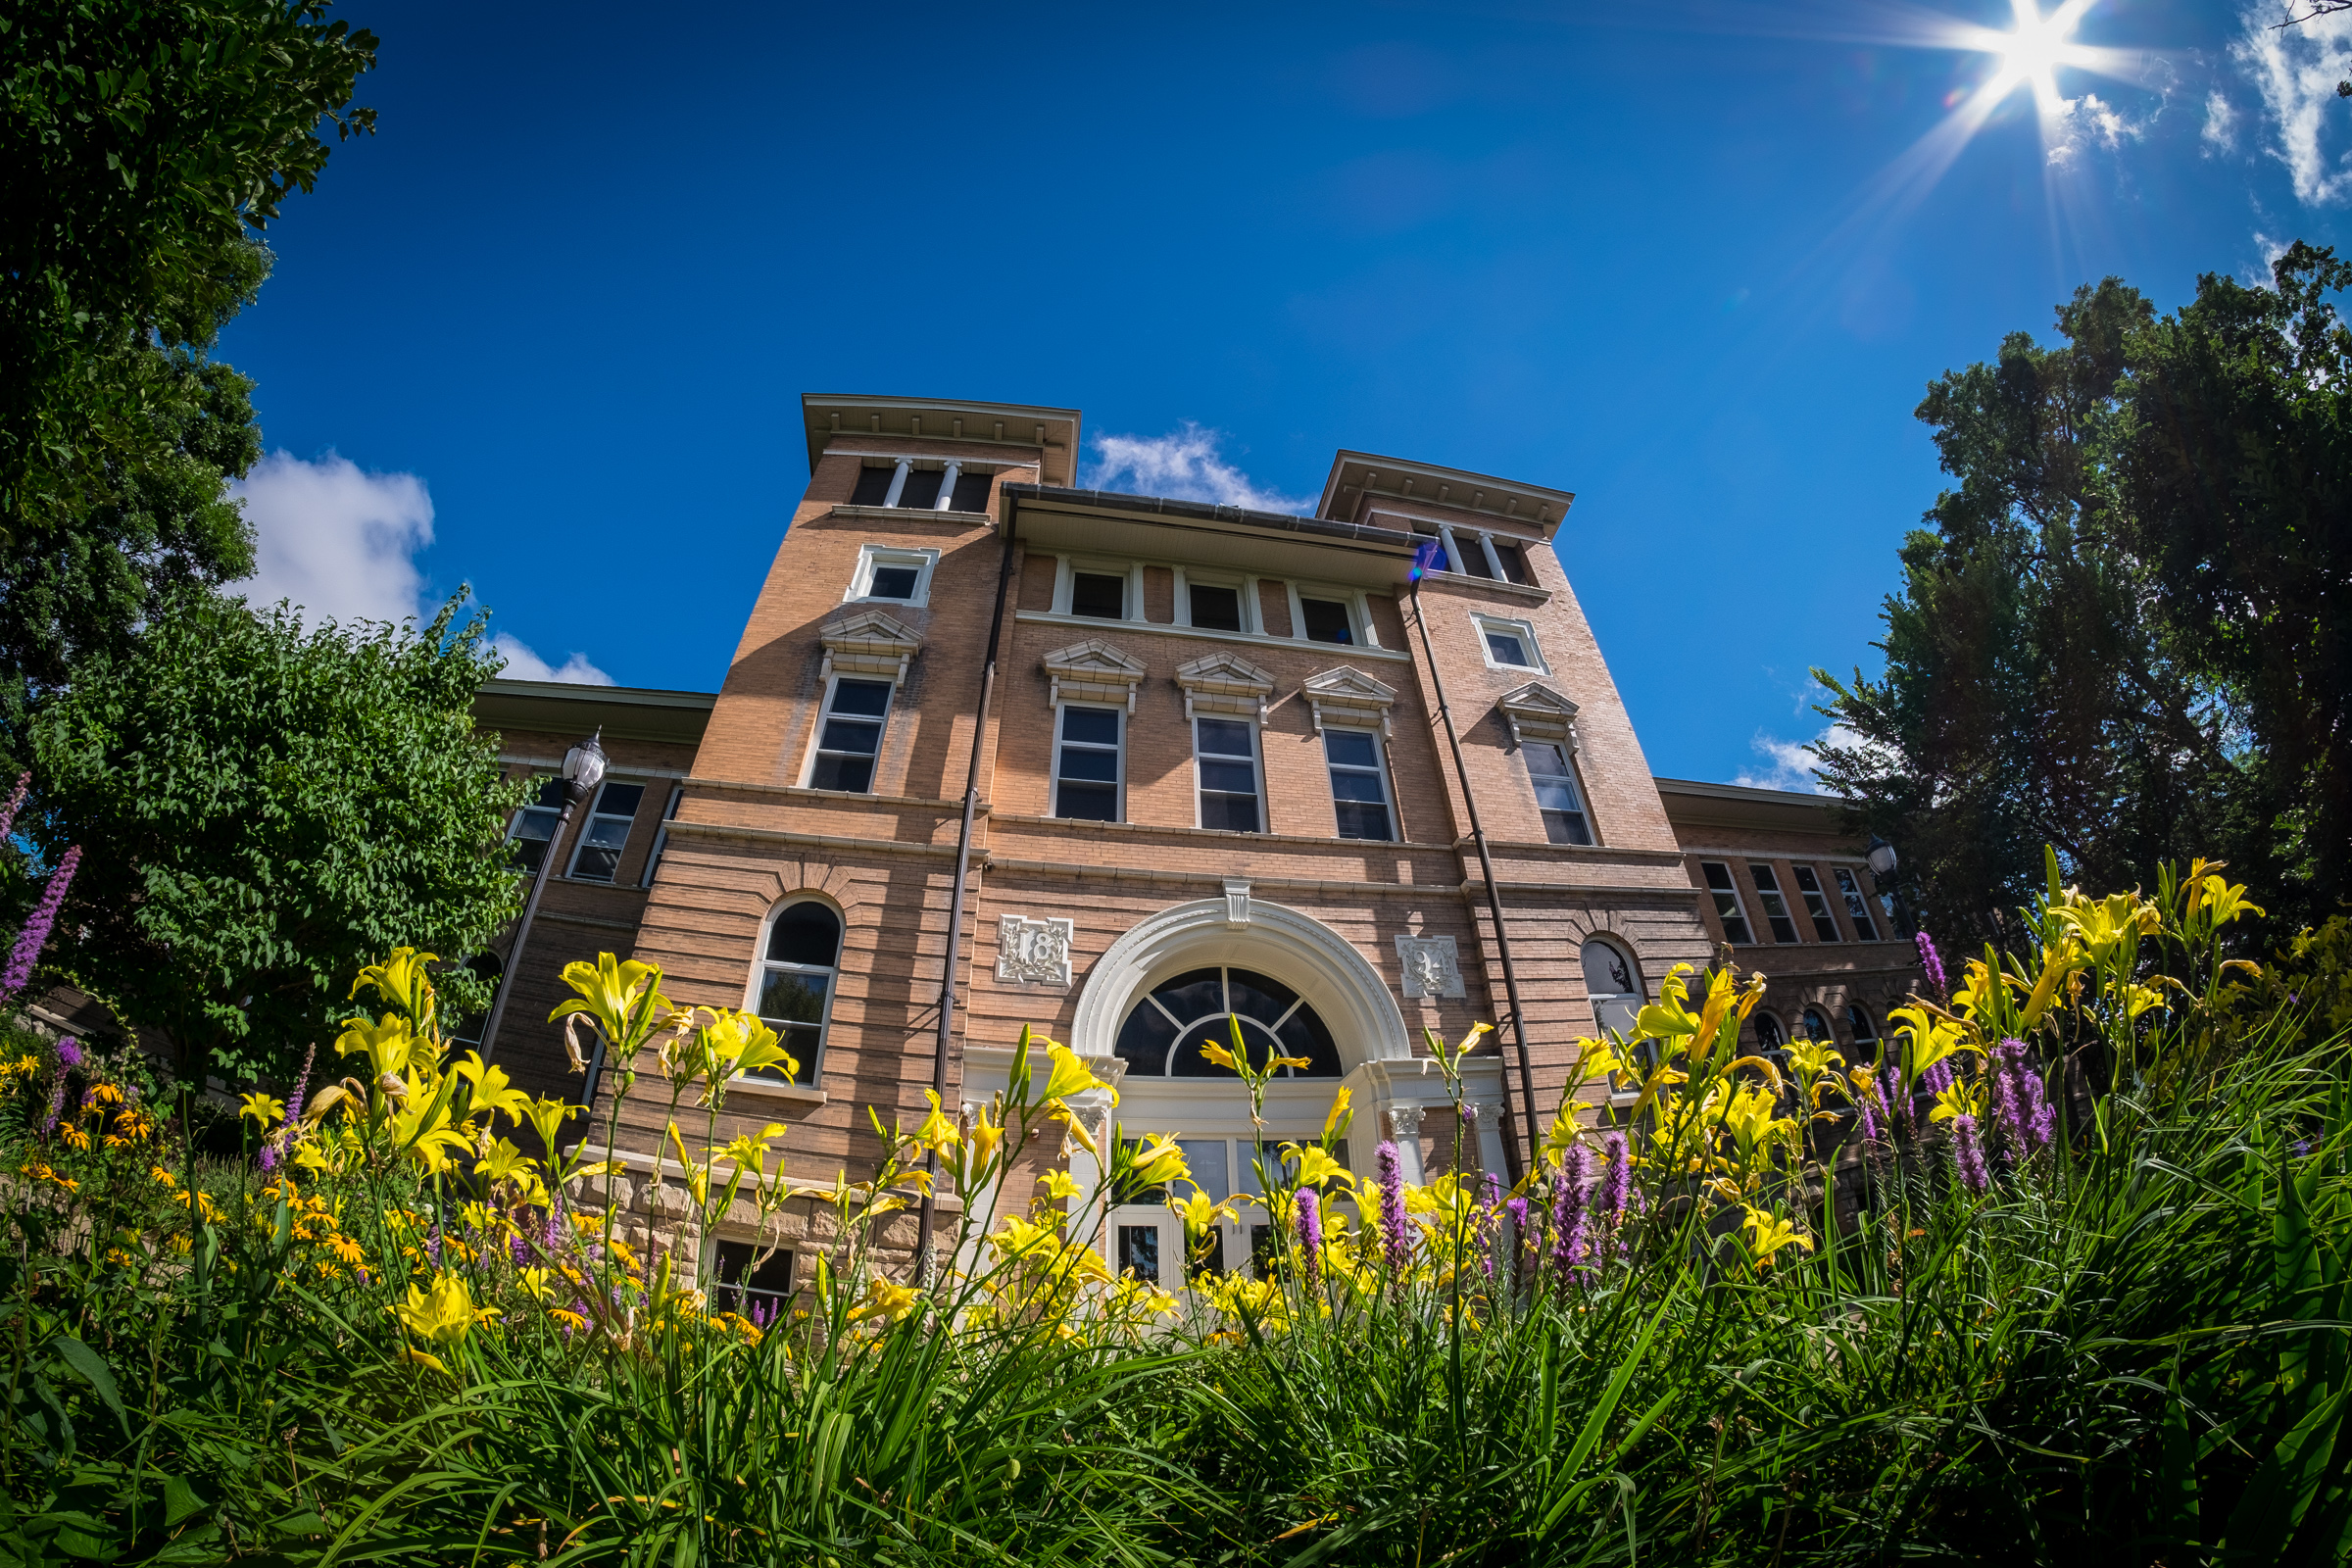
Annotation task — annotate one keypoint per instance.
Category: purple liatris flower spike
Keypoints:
(35, 935)
(1937, 1078)
(520, 1251)
(16, 801)
(1311, 1235)
(1968, 1153)
(268, 1158)
(1932, 961)
(302, 1082)
(1866, 1109)
(1614, 1193)
(2008, 1100)
(57, 1100)
(1395, 1230)
(69, 1052)
(1571, 1200)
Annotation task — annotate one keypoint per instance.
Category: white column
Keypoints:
(1453, 550)
(897, 481)
(1405, 1130)
(1485, 542)
(946, 490)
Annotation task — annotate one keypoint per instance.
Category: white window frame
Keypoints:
(1258, 768)
(522, 814)
(1510, 625)
(588, 820)
(1765, 896)
(1065, 577)
(1740, 905)
(1576, 782)
(712, 1286)
(669, 815)
(1359, 613)
(1857, 902)
(1053, 773)
(1380, 765)
(1244, 593)
(756, 982)
(816, 732)
(1799, 870)
(862, 582)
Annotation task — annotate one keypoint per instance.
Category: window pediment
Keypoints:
(869, 643)
(1347, 695)
(1225, 683)
(1093, 671)
(1536, 713)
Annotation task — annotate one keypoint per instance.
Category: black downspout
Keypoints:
(964, 863)
(1502, 939)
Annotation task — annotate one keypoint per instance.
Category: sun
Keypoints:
(2032, 50)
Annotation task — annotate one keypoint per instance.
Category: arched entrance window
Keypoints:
(1816, 1026)
(1769, 1033)
(1866, 1033)
(792, 986)
(1613, 982)
(1164, 1031)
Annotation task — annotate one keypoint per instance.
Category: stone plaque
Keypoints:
(1431, 967)
(1034, 951)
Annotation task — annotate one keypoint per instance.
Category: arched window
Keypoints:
(1164, 1031)
(792, 988)
(1816, 1026)
(1769, 1033)
(1613, 982)
(1866, 1033)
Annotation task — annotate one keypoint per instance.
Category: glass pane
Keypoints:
(1224, 737)
(1719, 875)
(1326, 621)
(856, 735)
(1608, 971)
(1194, 994)
(792, 995)
(606, 832)
(1365, 823)
(1097, 727)
(805, 933)
(1547, 760)
(1236, 777)
(1081, 764)
(1768, 1031)
(873, 485)
(922, 488)
(1348, 748)
(620, 800)
(1216, 608)
(892, 582)
(593, 864)
(1474, 559)
(1212, 1256)
(1505, 648)
(1555, 794)
(869, 699)
(1735, 924)
(1306, 1036)
(1816, 1027)
(529, 853)
(1190, 1063)
(1229, 814)
(1566, 827)
(1206, 1158)
(971, 492)
(1259, 996)
(1138, 1252)
(1087, 803)
(1145, 1039)
(1099, 595)
(854, 775)
(550, 794)
(535, 823)
(1347, 785)
(1858, 1020)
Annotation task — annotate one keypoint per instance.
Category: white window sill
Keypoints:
(769, 1089)
(961, 520)
(1253, 639)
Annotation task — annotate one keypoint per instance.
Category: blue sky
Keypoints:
(546, 331)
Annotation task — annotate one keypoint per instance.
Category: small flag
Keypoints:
(1431, 556)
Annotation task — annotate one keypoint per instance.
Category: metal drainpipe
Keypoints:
(928, 1226)
(1502, 938)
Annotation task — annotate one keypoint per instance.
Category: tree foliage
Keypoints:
(143, 145)
(2125, 631)
(262, 808)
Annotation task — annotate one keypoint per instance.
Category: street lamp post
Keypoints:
(1883, 862)
(582, 771)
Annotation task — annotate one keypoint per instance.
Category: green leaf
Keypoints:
(93, 1370)
(181, 1500)
(2283, 1488)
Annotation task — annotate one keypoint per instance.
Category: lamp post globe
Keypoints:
(583, 768)
(582, 771)
(1882, 857)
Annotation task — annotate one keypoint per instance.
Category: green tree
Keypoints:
(2031, 693)
(263, 810)
(143, 146)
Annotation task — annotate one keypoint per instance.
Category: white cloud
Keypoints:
(1790, 765)
(2089, 120)
(2296, 70)
(2272, 248)
(524, 665)
(1182, 464)
(336, 540)
(2221, 123)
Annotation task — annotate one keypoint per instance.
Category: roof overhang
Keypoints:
(1356, 474)
(1744, 806)
(1156, 528)
(563, 708)
(1054, 432)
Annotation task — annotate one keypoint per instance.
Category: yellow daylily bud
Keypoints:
(937, 1132)
(1335, 1123)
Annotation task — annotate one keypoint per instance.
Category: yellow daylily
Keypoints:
(884, 1301)
(1768, 1233)
(937, 1133)
(1336, 1120)
(1155, 1163)
(493, 1090)
(264, 1110)
(1959, 1099)
(1219, 1056)
(507, 1162)
(1317, 1166)
(624, 999)
(982, 1140)
(1931, 1037)
(1059, 1185)
(2102, 925)
(1069, 1075)
(387, 1045)
(444, 1315)
(1200, 1215)
(401, 980)
(546, 1117)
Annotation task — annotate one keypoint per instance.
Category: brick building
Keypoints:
(1213, 775)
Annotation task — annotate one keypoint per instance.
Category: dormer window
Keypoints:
(921, 485)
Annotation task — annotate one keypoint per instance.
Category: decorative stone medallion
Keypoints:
(1034, 951)
(1431, 967)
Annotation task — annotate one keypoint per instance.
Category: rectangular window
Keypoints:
(1327, 621)
(851, 736)
(971, 492)
(1556, 797)
(1216, 608)
(1817, 903)
(669, 815)
(737, 1287)
(598, 857)
(1138, 1252)
(1099, 594)
(1359, 793)
(1086, 765)
(873, 487)
(1509, 644)
(535, 824)
(921, 490)
(1857, 908)
(1776, 908)
(1225, 753)
(895, 576)
(1727, 903)
(1205, 1159)
(1514, 563)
